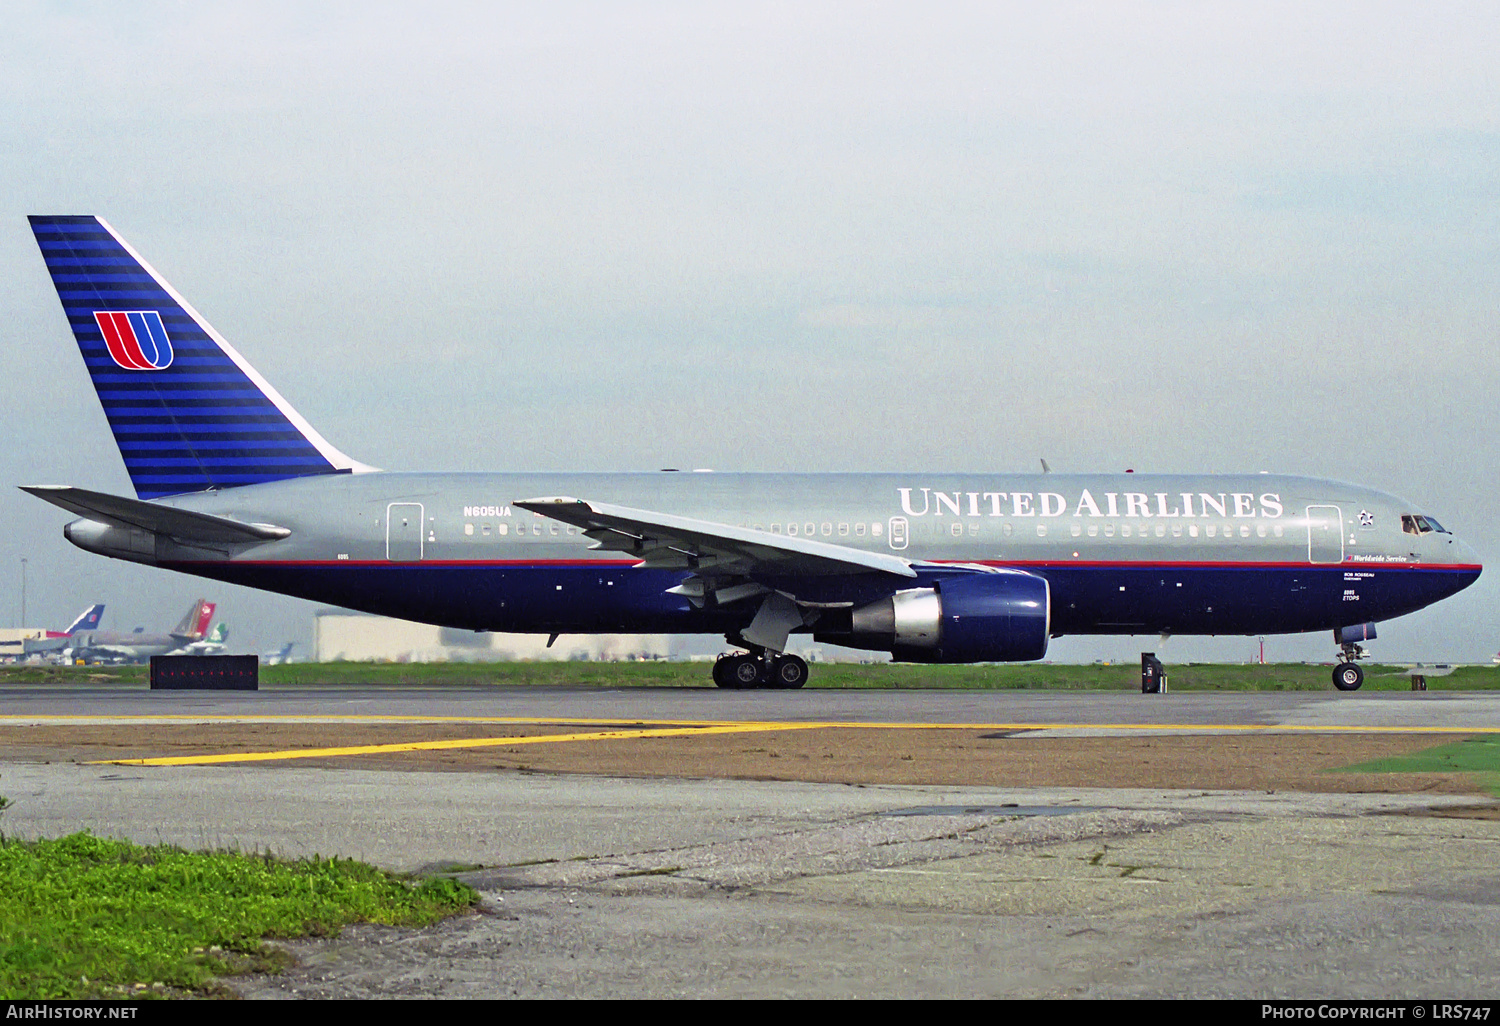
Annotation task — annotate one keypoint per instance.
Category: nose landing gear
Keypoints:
(763, 669)
(1347, 676)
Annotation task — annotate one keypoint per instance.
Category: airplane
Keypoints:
(139, 645)
(212, 644)
(234, 485)
(56, 641)
(278, 657)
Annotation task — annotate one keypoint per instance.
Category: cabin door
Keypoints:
(1325, 534)
(403, 532)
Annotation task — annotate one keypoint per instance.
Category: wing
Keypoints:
(708, 548)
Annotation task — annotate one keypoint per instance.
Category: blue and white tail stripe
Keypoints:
(187, 411)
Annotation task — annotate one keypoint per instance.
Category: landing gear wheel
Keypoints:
(746, 671)
(1348, 676)
(789, 672)
(721, 673)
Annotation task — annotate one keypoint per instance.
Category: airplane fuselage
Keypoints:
(1122, 554)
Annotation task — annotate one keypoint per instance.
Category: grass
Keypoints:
(1476, 755)
(85, 917)
(1472, 755)
(1013, 676)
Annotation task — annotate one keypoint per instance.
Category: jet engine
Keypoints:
(1004, 616)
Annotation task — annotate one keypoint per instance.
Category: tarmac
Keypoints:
(650, 882)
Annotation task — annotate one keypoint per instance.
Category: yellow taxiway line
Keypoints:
(648, 729)
(436, 746)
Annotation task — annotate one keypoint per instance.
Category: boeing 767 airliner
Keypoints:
(233, 484)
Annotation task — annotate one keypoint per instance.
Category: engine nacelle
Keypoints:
(1004, 616)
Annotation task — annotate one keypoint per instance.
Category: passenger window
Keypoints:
(791, 529)
(1093, 530)
(775, 528)
(1077, 529)
(1109, 530)
(484, 529)
(468, 529)
(956, 530)
(1244, 530)
(1260, 530)
(1278, 530)
(1211, 531)
(973, 530)
(859, 530)
(502, 530)
(810, 529)
(843, 530)
(1161, 531)
(1192, 530)
(1041, 530)
(1176, 530)
(1125, 531)
(827, 530)
(1006, 530)
(875, 529)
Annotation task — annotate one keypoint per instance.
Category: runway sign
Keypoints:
(205, 673)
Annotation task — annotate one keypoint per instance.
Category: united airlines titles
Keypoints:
(1165, 505)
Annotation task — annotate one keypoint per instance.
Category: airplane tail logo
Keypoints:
(205, 617)
(194, 623)
(135, 338)
(89, 620)
(187, 411)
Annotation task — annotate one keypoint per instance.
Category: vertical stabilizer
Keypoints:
(187, 411)
(88, 620)
(194, 623)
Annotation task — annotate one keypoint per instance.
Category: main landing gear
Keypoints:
(764, 669)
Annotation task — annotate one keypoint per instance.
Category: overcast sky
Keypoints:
(1174, 236)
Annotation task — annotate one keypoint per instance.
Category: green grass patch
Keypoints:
(890, 676)
(85, 917)
(1472, 755)
(1476, 755)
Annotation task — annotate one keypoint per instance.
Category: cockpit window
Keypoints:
(1421, 525)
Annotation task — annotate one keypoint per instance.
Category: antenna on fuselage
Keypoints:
(1046, 469)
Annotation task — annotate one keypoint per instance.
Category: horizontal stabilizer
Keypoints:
(664, 540)
(182, 524)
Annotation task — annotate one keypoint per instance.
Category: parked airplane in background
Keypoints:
(213, 644)
(281, 655)
(138, 645)
(56, 641)
(235, 485)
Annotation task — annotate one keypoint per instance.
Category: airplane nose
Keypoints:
(1467, 555)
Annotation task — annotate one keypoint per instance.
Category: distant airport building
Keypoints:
(341, 635)
(13, 640)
